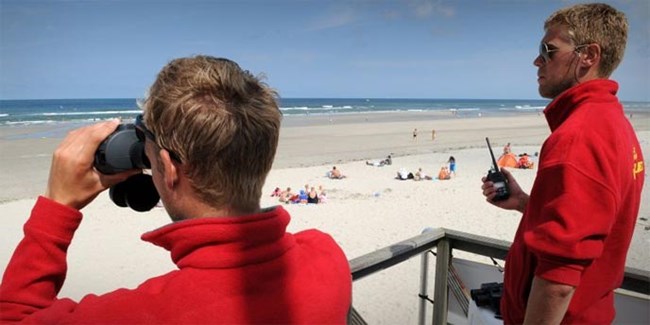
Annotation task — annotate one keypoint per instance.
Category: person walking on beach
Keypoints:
(568, 254)
(205, 121)
(415, 135)
(433, 134)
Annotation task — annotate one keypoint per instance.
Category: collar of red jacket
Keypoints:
(598, 90)
(227, 241)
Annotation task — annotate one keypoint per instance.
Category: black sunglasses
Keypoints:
(142, 132)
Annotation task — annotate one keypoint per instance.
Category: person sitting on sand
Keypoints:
(420, 175)
(303, 197)
(444, 173)
(286, 195)
(312, 197)
(388, 160)
(276, 192)
(335, 173)
(322, 197)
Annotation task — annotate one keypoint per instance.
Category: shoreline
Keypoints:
(305, 141)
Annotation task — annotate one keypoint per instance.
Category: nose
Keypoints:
(539, 61)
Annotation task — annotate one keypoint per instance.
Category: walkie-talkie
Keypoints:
(497, 177)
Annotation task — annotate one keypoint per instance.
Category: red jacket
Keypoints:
(244, 269)
(578, 224)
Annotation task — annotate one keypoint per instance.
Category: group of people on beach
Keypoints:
(446, 172)
(306, 195)
(415, 134)
(509, 159)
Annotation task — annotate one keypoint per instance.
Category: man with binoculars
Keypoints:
(209, 131)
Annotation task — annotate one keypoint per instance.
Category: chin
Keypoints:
(544, 93)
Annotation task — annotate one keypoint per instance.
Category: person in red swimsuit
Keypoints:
(568, 254)
(212, 131)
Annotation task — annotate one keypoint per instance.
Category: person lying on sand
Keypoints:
(380, 163)
(525, 162)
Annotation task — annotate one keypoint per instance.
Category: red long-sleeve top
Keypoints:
(583, 206)
(244, 269)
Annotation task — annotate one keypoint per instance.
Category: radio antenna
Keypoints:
(494, 162)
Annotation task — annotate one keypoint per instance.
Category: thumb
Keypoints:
(110, 180)
(507, 174)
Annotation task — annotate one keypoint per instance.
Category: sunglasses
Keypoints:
(142, 132)
(547, 53)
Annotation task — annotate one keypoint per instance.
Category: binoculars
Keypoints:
(123, 150)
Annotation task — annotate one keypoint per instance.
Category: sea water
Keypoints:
(49, 111)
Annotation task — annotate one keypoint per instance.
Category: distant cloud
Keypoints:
(338, 18)
(406, 64)
(428, 8)
(343, 16)
(392, 14)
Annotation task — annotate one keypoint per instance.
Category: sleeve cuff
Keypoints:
(55, 218)
(559, 272)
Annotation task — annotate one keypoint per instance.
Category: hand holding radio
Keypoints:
(501, 189)
(497, 178)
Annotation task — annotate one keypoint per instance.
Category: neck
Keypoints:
(184, 203)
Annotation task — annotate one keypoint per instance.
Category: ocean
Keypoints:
(44, 111)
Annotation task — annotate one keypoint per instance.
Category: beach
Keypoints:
(367, 210)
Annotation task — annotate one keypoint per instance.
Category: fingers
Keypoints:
(87, 139)
(508, 175)
(73, 180)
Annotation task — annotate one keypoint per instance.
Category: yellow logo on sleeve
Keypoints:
(638, 164)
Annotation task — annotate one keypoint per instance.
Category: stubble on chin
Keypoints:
(551, 92)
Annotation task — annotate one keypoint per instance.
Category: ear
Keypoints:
(590, 55)
(170, 172)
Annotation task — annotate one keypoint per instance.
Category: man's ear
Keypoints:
(169, 170)
(590, 55)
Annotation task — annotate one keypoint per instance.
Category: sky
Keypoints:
(477, 49)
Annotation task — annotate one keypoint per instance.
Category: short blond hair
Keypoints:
(222, 122)
(595, 23)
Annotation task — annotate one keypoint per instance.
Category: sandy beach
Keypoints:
(367, 210)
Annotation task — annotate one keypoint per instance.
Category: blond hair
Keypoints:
(595, 23)
(222, 122)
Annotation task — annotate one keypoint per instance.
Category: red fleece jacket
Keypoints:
(578, 224)
(244, 269)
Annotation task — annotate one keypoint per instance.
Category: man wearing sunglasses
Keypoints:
(211, 131)
(569, 252)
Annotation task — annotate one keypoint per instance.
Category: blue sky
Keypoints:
(360, 49)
